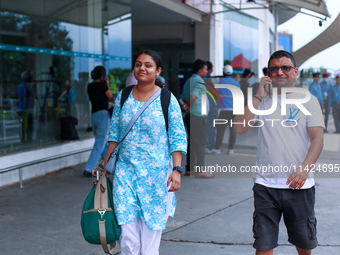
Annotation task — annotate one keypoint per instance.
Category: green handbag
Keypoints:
(98, 220)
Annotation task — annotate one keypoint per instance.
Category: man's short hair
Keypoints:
(209, 65)
(246, 72)
(281, 54)
(199, 64)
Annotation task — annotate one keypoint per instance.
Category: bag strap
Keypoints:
(165, 102)
(125, 94)
(101, 202)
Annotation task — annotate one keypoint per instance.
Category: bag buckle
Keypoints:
(101, 212)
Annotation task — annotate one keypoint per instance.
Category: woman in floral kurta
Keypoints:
(142, 173)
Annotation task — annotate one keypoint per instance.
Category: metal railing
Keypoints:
(34, 162)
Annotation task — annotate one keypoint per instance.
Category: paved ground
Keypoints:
(213, 216)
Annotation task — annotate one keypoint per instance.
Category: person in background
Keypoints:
(149, 166)
(196, 121)
(70, 93)
(245, 84)
(212, 112)
(315, 89)
(255, 86)
(131, 80)
(334, 102)
(25, 106)
(226, 112)
(162, 80)
(100, 95)
(325, 89)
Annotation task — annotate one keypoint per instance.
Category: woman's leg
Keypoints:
(100, 123)
(150, 240)
(130, 238)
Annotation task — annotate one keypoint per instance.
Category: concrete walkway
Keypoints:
(213, 216)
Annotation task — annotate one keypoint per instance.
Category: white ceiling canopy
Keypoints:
(286, 8)
(317, 6)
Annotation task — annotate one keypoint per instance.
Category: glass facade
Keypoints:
(47, 52)
(241, 41)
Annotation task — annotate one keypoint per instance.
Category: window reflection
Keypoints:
(45, 65)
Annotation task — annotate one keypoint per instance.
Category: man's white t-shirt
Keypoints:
(283, 146)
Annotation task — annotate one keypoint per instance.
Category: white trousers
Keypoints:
(137, 239)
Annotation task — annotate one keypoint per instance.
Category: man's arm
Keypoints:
(248, 115)
(298, 177)
(192, 100)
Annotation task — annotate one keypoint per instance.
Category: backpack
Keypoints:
(68, 128)
(165, 101)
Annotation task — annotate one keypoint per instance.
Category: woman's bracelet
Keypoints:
(258, 98)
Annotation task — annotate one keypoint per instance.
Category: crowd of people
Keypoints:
(328, 96)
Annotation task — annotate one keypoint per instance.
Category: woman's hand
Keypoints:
(175, 178)
(94, 171)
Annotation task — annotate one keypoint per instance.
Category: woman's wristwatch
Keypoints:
(178, 168)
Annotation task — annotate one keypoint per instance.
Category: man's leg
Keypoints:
(299, 218)
(267, 252)
(220, 130)
(266, 219)
(232, 133)
(211, 129)
(326, 112)
(336, 116)
(303, 252)
(198, 143)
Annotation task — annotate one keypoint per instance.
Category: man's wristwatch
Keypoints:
(178, 168)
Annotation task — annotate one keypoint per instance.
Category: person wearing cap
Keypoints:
(325, 89)
(315, 89)
(334, 99)
(226, 112)
(196, 120)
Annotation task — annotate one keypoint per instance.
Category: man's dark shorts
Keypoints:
(297, 207)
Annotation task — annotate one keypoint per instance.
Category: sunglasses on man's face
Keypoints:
(285, 69)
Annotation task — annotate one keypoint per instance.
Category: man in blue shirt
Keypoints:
(315, 89)
(196, 121)
(226, 112)
(334, 99)
(325, 89)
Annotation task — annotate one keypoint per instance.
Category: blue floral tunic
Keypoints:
(140, 180)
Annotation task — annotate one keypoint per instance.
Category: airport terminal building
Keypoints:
(52, 47)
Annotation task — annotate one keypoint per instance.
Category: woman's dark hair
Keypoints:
(98, 72)
(281, 54)
(158, 60)
(199, 64)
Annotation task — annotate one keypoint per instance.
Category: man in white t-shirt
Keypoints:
(288, 147)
